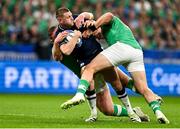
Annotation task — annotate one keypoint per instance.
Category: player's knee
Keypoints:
(89, 69)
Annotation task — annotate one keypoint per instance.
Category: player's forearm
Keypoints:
(104, 19)
(69, 47)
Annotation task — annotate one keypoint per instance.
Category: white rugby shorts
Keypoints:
(123, 54)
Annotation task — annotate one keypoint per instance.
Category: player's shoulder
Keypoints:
(59, 30)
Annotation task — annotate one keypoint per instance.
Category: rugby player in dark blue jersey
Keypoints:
(71, 63)
(84, 53)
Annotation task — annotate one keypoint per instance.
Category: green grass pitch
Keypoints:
(42, 111)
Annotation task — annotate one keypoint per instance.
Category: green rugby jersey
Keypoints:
(71, 64)
(118, 31)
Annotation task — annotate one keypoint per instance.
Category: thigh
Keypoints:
(100, 62)
(110, 74)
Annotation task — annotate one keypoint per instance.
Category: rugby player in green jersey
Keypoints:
(123, 50)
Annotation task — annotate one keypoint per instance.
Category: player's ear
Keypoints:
(59, 19)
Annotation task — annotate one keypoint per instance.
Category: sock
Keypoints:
(122, 95)
(119, 111)
(91, 97)
(83, 86)
(155, 106)
(131, 86)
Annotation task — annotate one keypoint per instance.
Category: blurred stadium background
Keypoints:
(26, 65)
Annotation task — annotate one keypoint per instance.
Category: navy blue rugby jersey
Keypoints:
(85, 52)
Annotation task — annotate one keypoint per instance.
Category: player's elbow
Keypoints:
(56, 58)
(91, 16)
(109, 16)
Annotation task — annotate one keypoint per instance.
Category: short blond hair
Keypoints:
(60, 12)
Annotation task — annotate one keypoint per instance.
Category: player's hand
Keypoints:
(87, 33)
(98, 33)
(60, 37)
(89, 23)
(79, 21)
(77, 33)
